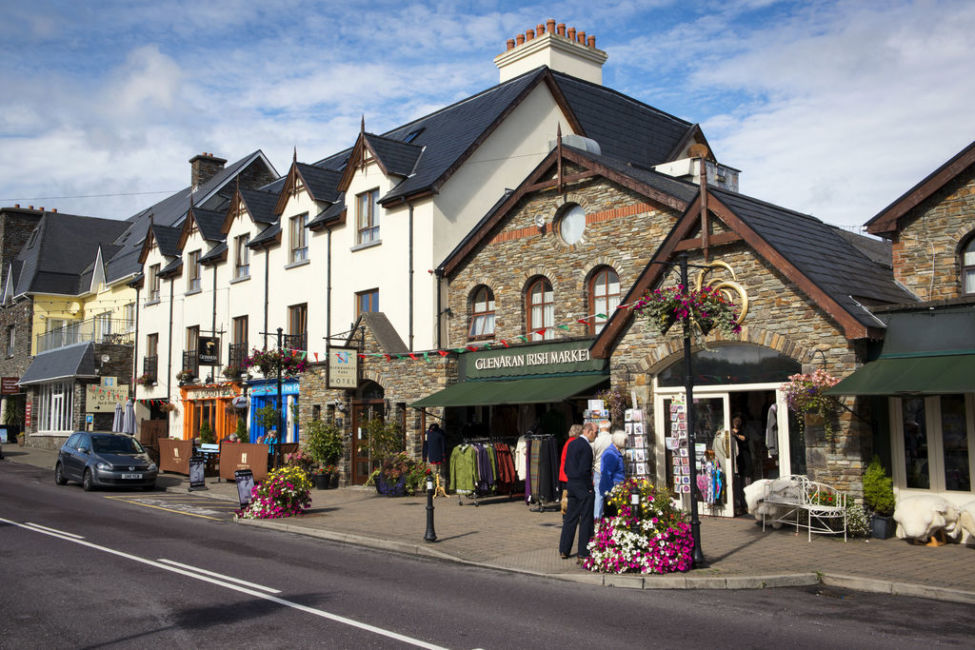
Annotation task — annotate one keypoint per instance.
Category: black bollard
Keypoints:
(431, 535)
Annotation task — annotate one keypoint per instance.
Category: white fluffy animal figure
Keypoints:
(754, 494)
(966, 520)
(786, 486)
(921, 517)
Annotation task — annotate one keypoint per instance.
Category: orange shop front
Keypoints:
(211, 403)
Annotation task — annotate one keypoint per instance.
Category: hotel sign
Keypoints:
(525, 361)
(343, 367)
(101, 399)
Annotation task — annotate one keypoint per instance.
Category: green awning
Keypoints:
(514, 391)
(919, 375)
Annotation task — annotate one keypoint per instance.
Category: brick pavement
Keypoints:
(504, 533)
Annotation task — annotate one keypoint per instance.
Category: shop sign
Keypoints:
(9, 385)
(211, 392)
(343, 367)
(208, 351)
(543, 359)
(101, 399)
(28, 409)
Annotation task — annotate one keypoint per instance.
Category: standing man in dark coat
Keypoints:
(578, 469)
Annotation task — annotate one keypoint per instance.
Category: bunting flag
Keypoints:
(316, 357)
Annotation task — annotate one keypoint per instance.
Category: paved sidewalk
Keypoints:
(504, 533)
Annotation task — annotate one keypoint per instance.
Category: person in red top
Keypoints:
(574, 430)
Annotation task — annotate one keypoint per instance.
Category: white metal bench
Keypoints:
(797, 501)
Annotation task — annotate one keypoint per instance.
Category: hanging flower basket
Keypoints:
(806, 396)
(706, 309)
(268, 362)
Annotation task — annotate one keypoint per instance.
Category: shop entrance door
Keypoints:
(362, 412)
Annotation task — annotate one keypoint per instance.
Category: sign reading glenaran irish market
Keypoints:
(343, 367)
(561, 358)
(102, 399)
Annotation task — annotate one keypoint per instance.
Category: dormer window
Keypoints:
(193, 272)
(153, 283)
(367, 217)
(242, 257)
(299, 244)
(968, 267)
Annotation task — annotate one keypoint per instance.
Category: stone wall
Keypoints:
(926, 258)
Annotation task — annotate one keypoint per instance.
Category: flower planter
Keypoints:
(391, 489)
(322, 481)
(882, 527)
(333, 484)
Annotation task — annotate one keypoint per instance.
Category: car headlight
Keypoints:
(152, 467)
(102, 465)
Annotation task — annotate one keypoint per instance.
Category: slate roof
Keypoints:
(211, 195)
(266, 236)
(329, 214)
(322, 183)
(59, 251)
(384, 332)
(167, 239)
(878, 250)
(209, 222)
(260, 204)
(395, 156)
(214, 253)
(173, 268)
(71, 361)
(830, 261)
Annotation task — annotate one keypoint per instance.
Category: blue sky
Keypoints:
(832, 108)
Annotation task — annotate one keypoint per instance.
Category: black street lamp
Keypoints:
(431, 534)
(277, 446)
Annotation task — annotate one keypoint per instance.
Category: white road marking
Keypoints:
(270, 590)
(51, 530)
(70, 537)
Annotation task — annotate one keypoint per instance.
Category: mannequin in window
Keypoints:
(434, 452)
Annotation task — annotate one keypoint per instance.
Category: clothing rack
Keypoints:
(499, 466)
(535, 501)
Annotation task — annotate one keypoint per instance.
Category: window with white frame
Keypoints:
(103, 327)
(540, 309)
(968, 267)
(604, 297)
(298, 239)
(367, 217)
(482, 314)
(128, 316)
(193, 272)
(242, 257)
(54, 403)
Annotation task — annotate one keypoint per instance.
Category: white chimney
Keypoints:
(563, 50)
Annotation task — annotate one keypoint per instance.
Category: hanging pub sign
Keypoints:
(208, 351)
(9, 385)
(343, 367)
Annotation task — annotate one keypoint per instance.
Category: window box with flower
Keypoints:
(185, 377)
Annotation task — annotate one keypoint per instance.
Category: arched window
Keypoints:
(482, 314)
(540, 309)
(604, 297)
(968, 267)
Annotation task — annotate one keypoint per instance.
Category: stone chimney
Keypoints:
(563, 50)
(203, 168)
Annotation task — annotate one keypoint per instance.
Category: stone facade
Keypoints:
(926, 249)
(403, 380)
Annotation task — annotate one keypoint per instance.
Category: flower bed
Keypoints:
(285, 492)
(652, 537)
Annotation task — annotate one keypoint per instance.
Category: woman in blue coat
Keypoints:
(613, 469)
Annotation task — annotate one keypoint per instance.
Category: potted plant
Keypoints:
(268, 362)
(878, 495)
(145, 379)
(391, 479)
(207, 436)
(185, 377)
(232, 372)
(806, 396)
(323, 441)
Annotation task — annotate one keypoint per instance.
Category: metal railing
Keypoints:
(97, 330)
(150, 367)
(236, 354)
(295, 341)
(191, 361)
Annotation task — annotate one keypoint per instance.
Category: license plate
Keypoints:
(131, 476)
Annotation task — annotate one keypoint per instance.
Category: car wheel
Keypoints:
(88, 481)
(59, 475)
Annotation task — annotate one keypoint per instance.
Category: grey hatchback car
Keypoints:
(104, 460)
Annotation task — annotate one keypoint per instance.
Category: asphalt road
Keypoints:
(99, 569)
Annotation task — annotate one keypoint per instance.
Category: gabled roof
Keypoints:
(71, 361)
(165, 237)
(385, 334)
(394, 157)
(887, 221)
(211, 195)
(662, 189)
(209, 223)
(60, 249)
(174, 268)
(258, 203)
(321, 184)
(824, 265)
(216, 254)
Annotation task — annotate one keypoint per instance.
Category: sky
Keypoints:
(830, 108)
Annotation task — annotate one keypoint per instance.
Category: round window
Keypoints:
(572, 224)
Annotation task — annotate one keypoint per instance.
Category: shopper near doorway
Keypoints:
(578, 472)
(613, 471)
(743, 463)
(604, 440)
(574, 432)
